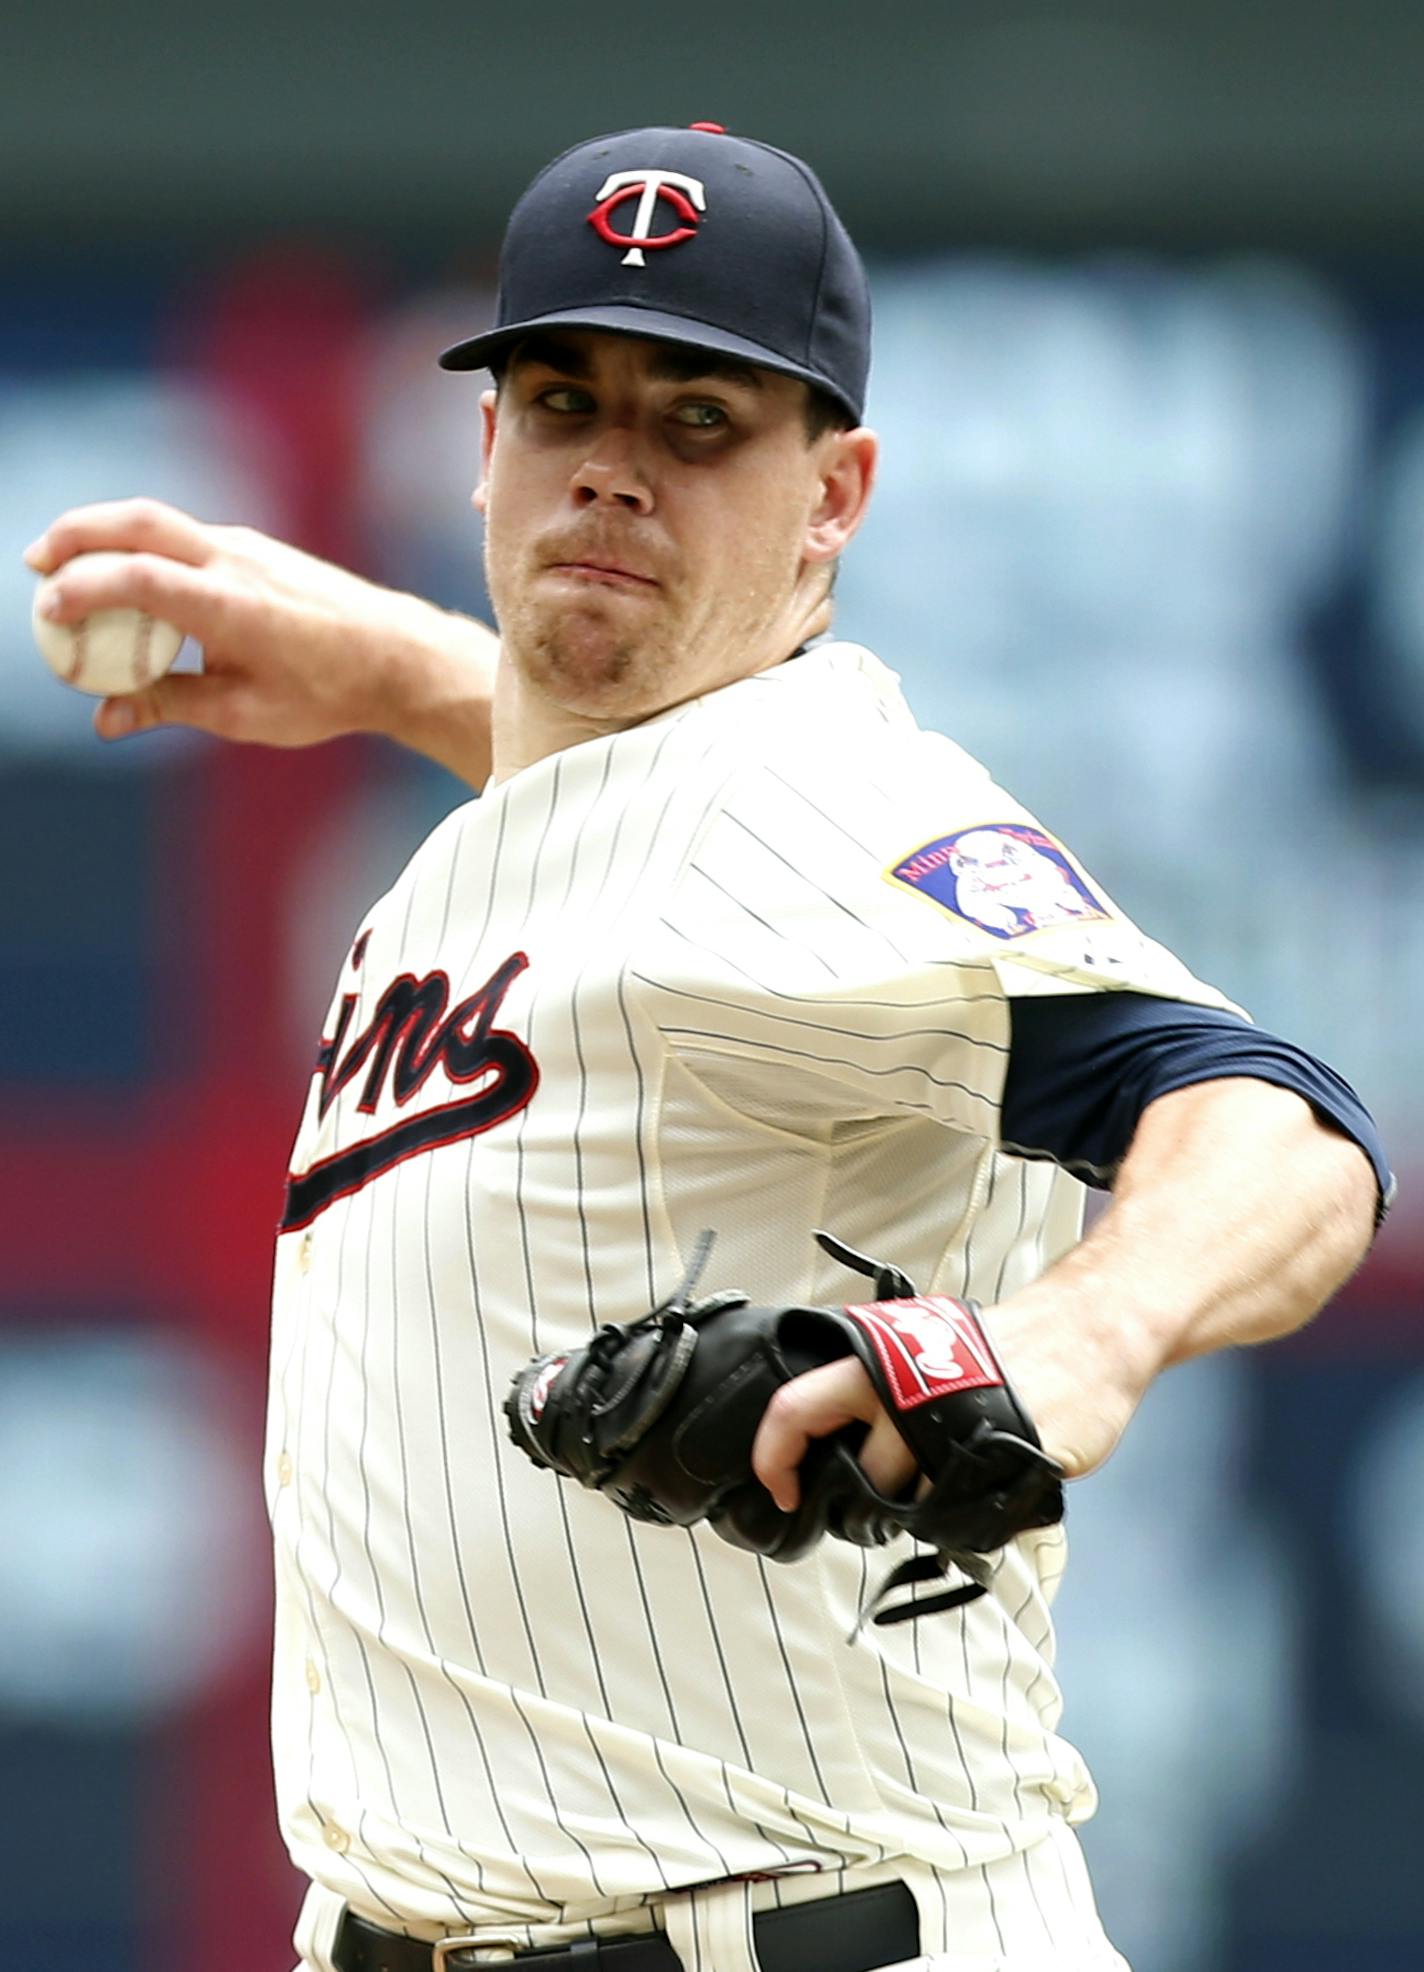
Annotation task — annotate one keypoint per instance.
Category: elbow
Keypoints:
(1361, 1206)
(1349, 1209)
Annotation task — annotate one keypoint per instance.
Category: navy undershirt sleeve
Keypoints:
(1084, 1066)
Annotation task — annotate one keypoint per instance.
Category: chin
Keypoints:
(594, 669)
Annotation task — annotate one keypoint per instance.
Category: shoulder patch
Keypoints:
(1009, 878)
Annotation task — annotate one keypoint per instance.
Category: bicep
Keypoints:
(1084, 1066)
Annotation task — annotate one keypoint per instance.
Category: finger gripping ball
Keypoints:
(110, 651)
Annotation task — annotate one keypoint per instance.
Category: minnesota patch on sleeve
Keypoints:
(1008, 878)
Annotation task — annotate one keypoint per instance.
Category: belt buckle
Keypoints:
(444, 1951)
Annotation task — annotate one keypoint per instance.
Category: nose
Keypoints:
(609, 475)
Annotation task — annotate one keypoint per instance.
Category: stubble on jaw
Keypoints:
(556, 667)
(585, 663)
(626, 659)
(574, 653)
(599, 669)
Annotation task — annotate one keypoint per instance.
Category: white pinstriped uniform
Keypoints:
(497, 1701)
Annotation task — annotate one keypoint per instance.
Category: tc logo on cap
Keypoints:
(685, 195)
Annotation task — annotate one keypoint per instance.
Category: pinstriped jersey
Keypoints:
(746, 966)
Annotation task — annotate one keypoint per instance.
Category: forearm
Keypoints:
(1235, 1216)
(296, 651)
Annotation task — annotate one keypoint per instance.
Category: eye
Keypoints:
(701, 417)
(566, 399)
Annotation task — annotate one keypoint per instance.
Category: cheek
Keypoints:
(499, 554)
(506, 515)
(514, 486)
(751, 542)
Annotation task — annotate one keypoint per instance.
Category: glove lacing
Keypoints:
(670, 1322)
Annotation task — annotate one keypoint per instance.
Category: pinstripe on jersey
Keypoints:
(495, 1697)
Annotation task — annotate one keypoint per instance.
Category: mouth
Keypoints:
(607, 574)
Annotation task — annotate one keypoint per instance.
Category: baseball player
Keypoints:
(727, 942)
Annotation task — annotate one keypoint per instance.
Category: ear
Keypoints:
(489, 402)
(847, 477)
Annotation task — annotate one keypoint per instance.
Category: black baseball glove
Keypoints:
(661, 1413)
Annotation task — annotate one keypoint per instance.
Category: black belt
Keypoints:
(857, 1932)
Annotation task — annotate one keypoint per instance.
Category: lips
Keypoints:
(594, 570)
(587, 559)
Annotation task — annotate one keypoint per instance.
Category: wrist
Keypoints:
(435, 680)
(1061, 1337)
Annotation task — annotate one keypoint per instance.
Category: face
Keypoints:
(657, 522)
(996, 863)
(1012, 873)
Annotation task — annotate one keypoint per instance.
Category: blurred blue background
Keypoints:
(1150, 376)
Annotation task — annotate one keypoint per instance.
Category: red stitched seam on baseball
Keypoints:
(143, 653)
(76, 646)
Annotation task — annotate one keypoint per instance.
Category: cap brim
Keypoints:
(629, 320)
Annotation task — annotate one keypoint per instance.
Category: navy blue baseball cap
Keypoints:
(689, 236)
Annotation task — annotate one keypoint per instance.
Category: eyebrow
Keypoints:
(669, 362)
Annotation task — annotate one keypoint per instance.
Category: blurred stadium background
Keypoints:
(1151, 377)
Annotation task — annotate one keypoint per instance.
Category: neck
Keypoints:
(527, 725)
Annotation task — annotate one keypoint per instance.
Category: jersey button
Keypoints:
(338, 1839)
(284, 1469)
(313, 1677)
(304, 1253)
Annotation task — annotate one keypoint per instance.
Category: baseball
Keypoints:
(114, 650)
